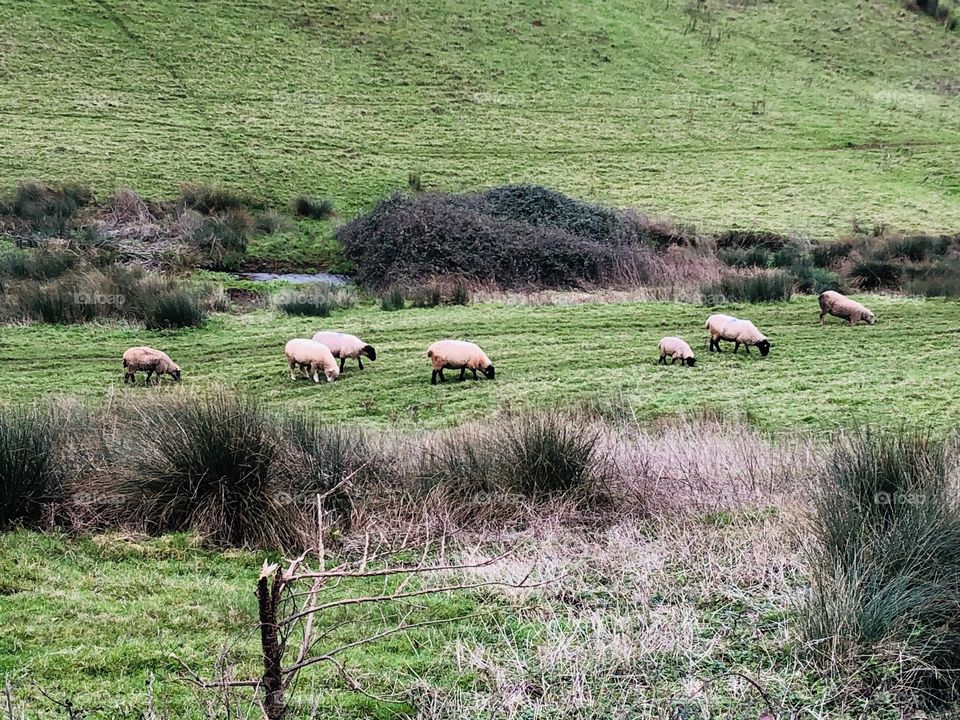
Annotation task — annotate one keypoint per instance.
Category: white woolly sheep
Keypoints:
(150, 361)
(833, 303)
(345, 346)
(458, 355)
(312, 357)
(676, 349)
(740, 332)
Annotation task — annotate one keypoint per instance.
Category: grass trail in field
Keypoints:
(803, 116)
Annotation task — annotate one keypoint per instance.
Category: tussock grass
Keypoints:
(32, 469)
(312, 207)
(885, 568)
(317, 300)
(213, 464)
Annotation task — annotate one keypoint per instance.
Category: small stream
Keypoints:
(298, 278)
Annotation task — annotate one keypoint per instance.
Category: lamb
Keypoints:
(311, 356)
(833, 303)
(727, 327)
(676, 349)
(149, 360)
(457, 354)
(345, 346)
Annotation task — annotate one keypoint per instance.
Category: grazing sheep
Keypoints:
(312, 357)
(345, 346)
(457, 354)
(833, 303)
(149, 360)
(727, 327)
(676, 349)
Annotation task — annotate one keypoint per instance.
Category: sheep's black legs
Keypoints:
(746, 349)
(662, 360)
(147, 381)
(360, 362)
(342, 360)
(437, 374)
(463, 372)
(822, 313)
(736, 346)
(474, 373)
(673, 360)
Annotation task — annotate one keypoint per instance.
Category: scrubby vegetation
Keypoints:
(515, 236)
(64, 286)
(886, 566)
(318, 300)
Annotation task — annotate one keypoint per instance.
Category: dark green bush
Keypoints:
(427, 296)
(516, 236)
(940, 279)
(222, 240)
(271, 223)
(546, 454)
(460, 295)
(336, 459)
(393, 299)
(750, 239)
(885, 566)
(312, 207)
(825, 255)
(756, 256)
(315, 300)
(49, 209)
(868, 274)
(765, 287)
(209, 199)
(213, 464)
(814, 280)
(170, 307)
(31, 465)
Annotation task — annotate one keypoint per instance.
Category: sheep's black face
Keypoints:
(691, 362)
(369, 352)
(176, 375)
(489, 372)
(764, 347)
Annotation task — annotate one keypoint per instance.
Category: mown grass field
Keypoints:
(792, 117)
(901, 370)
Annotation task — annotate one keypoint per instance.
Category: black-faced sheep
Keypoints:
(312, 357)
(458, 355)
(150, 361)
(833, 303)
(739, 332)
(345, 346)
(676, 349)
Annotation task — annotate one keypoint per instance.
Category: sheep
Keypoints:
(149, 360)
(454, 354)
(833, 303)
(345, 346)
(727, 327)
(312, 357)
(676, 349)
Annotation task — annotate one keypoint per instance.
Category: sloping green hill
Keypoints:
(795, 116)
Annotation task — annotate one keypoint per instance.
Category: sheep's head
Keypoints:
(369, 352)
(489, 372)
(332, 373)
(870, 318)
(176, 374)
(764, 347)
(691, 361)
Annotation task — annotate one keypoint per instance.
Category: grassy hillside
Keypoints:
(902, 368)
(789, 116)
